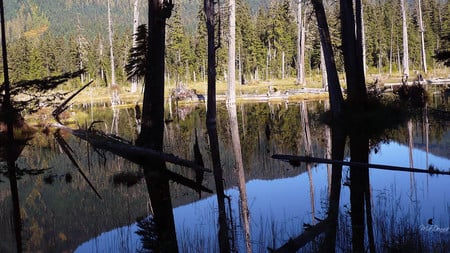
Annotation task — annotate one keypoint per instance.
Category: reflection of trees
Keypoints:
(329, 224)
(239, 167)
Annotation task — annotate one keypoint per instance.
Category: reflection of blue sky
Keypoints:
(432, 192)
(280, 207)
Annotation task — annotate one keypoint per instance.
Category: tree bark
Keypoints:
(351, 34)
(422, 38)
(210, 12)
(113, 85)
(111, 48)
(152, 126)
(231, 99)
(363, 42)
(334, 88)
(405, 40)
(300, 45)
(134, 79)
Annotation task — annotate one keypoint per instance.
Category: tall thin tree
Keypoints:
(134, 79)
(422, 37)
(300, 45)
(231, 98)
(405, 40)
(113, 85)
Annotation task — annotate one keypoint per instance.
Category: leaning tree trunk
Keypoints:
(334, 89)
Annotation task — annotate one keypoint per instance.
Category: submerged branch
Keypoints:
(68, 150)
(296, 160)
(293, 245)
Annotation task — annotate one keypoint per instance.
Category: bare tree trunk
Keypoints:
(231, 98)
(334, 88)
(363, 42)
(111, 49)
(210, 12)
(134, 79)
(405, 40)
(323, 68)
(152, 124)
(113, 85)
(300, 45)
(422, 38)
(391, 47)
(239, 166)
(353, 52)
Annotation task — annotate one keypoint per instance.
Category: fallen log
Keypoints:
(138, 155)
(296, 160)
(293, 245)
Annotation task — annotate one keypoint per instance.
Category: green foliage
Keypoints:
(50, 38)
(136, 65)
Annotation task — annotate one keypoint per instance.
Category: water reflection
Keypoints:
(279, 197)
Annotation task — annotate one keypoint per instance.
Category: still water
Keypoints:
(315, 207)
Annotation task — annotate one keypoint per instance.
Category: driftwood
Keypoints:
(296, 160)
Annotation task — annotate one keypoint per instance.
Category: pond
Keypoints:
(95, 201)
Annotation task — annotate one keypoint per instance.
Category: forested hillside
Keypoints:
(52, 37)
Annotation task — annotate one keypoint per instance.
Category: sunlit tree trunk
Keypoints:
(405, 39)
(363, 42)
(300, 45)
(231, 99)
(391, 48)
(422, 37)
(134, 79)
(323, 69)
(334, 89)
(111, 49)
(113, 85)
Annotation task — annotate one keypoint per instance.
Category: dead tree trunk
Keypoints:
(351, 35)
(405, 41)
(422, 38)
(113, 85)
(211, 16)
(334, 89)
(231, 99)
(134, 79)
(300, 45)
